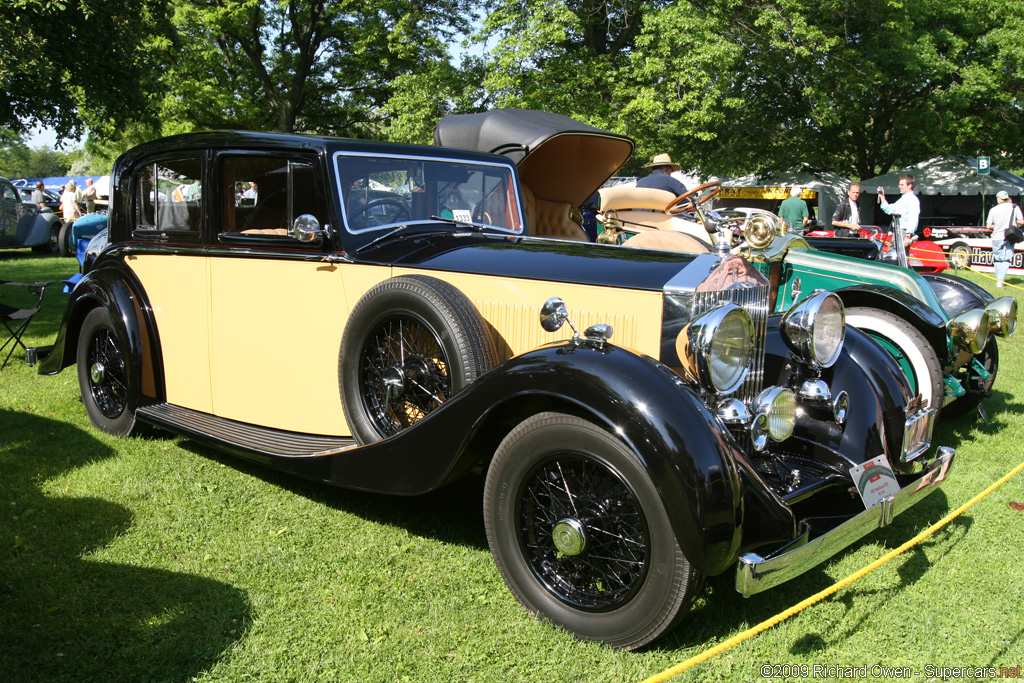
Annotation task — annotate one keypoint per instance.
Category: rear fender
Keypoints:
(118, 292)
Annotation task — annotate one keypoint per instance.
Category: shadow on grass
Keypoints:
(452, 514)
(64, 617)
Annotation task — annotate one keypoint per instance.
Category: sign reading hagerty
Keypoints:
(875, 481)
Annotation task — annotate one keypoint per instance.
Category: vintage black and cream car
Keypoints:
(389, 318)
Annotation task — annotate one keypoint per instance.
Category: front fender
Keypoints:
(924, 318)
(692, 461)
(956, 294)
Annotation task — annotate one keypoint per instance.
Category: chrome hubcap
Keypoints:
(98, 373)
(569, 536)
(394, 382)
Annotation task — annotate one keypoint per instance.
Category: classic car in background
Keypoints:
(940, 330)
(975, 253)
(924, 256)
(641, 417)
(23, 224)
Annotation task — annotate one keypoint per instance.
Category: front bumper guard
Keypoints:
(757, 573)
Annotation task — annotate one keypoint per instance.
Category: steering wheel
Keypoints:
(705, 193)
(402, 214)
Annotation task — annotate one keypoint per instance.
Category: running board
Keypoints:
(240, 437)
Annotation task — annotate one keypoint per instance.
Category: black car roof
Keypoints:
(254, 140)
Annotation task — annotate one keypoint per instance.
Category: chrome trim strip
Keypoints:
(756, 573)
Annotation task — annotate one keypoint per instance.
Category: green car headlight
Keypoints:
(815, 327)
(717, 347)
(970, 329)
(1003, 316)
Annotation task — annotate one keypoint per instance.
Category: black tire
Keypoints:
(64, 240)
(977, 388)
(960, 256)
(908, 346)
(104, 375)
(411, 343)
(618, 574)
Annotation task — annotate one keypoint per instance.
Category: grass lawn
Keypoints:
(156, 559)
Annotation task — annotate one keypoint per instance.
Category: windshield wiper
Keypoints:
(383, 237)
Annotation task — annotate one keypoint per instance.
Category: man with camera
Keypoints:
(1004, 214)
(907, 210)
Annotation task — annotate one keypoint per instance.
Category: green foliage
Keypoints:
(855, 87)
(324, 66)
(72, 65)
(18, 160)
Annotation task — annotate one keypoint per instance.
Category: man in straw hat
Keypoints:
(661, 176)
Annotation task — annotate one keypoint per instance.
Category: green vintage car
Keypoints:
(941, 329)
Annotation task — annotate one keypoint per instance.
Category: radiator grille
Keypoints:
(755, 301)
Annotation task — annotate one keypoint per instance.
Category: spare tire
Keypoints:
(411, 343)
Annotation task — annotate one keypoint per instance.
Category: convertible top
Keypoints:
(559, 158)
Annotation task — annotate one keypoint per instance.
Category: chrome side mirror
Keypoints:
(306, 228)
(553, 314)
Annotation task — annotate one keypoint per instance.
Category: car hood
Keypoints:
(546, 259)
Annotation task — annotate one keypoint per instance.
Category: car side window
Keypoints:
(261, 196)
(9, 205)
(168, 196)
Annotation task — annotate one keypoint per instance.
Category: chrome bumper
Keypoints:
(756, 573)
(917, 430)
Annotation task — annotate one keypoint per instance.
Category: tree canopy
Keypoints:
(726, 86)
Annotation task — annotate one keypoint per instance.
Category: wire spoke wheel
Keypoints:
(108, 381)
(404, 374)
(580, 534)
(104, 375)
(583, 533)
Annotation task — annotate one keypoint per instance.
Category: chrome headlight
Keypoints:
(970, 329)
(1003, 315)
(716, 349)
(815, 328)
(759, 232)
(774, 416)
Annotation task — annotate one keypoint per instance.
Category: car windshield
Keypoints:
(381, 192)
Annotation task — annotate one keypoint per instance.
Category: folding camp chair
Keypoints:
(20, 317)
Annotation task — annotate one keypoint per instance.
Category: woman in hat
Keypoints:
(661, 176)
(69, 203)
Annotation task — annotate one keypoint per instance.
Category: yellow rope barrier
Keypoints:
(782, 616)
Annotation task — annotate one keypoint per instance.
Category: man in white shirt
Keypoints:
(907, 208)
(846, 219)
(999, 218)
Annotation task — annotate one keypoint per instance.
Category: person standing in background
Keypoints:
(999, 219)
(907, 208)
(69, 202)
(38, 196)
(793, 211)
(846, 219)
(89, 195)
